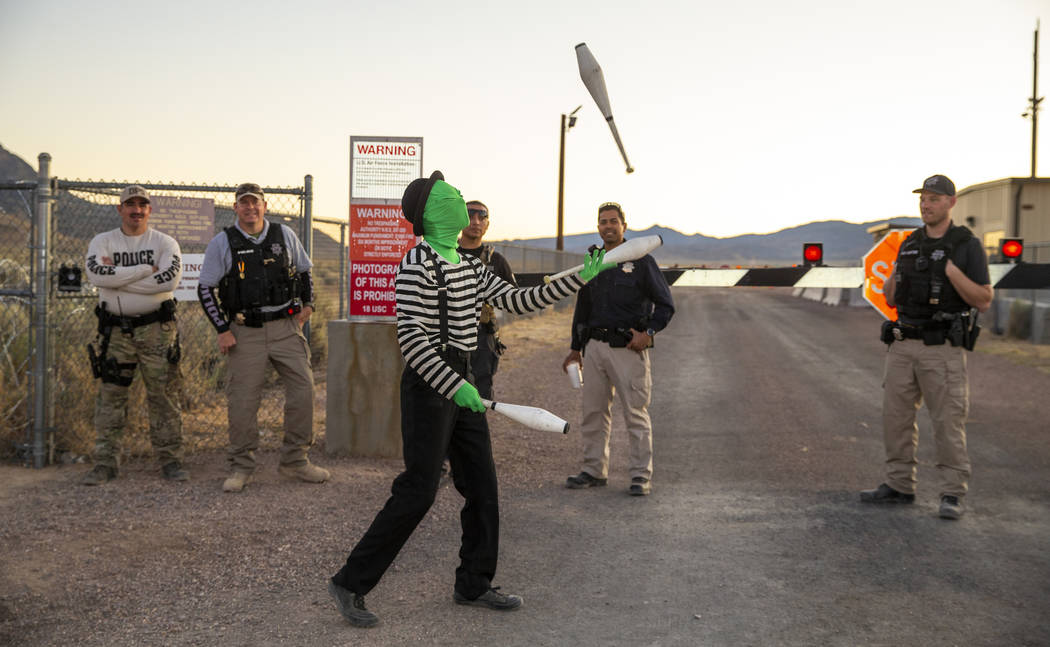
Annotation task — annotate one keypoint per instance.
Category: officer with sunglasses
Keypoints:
(616, 317)
(485, 360)
(938, 285)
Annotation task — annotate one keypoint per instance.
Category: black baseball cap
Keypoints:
(937, 184)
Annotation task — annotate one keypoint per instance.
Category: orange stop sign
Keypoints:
(878, 263)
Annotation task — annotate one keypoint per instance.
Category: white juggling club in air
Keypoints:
(592, 76)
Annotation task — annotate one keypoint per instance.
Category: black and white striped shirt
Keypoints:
(469, 284)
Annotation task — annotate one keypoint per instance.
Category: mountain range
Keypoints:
(14, 169)
(844, 244)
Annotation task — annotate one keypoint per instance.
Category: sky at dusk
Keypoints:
(738, 117)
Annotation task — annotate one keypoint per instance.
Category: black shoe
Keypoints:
(951, 507)
(885, 494)
(174, 471)
(582, 480)
(491, 599)
(639, 486)
(99, 475)
(352, 606)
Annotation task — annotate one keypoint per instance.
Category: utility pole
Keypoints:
(1035, 99)
(567, 122)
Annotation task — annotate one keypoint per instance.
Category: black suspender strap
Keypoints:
(439, 276)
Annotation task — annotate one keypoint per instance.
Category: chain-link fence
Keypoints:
(16, 301)
(84, 209)
(47, 391)
(524, 259)
(79, 211)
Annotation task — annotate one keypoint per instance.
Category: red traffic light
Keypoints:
(813, 253)
(1011, 249)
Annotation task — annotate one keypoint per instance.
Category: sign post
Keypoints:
(878, 267)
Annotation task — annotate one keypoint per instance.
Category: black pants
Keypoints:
(484, 362)
(431, 428)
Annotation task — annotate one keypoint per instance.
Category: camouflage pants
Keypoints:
(148, 349)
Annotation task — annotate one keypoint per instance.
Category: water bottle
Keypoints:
(575, 375)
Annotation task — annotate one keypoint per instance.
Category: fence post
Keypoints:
(42, 280)
(343, 287)
(308, 215)
(307, 232)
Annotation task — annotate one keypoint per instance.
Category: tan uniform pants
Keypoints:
(936, 374)
(608, 373)
(147, 348)
(282, 344)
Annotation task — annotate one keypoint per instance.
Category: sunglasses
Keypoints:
(480, 213)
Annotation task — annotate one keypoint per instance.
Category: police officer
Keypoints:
(939, 283)
(616, 317)
(255, 288)
(136, 270)
(485, 360)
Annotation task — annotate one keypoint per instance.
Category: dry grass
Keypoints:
(1021, 352)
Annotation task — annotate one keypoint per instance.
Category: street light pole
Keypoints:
(567, 122)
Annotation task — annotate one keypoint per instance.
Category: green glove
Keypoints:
(593, 265)
(468, 397)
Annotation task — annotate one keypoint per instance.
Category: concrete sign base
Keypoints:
(364, 378)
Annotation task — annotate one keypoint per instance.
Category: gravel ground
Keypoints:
(142, 561)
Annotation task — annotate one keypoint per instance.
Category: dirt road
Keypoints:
(766, 412)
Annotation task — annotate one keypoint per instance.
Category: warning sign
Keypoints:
(379, 233)
(379, 238)
(187, 220)
(380, 169)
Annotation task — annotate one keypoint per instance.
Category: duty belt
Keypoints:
(916, 330)
(611, 335)
(615, 337)
(932, 333)
(256, 318)
(165, 313)
(602, 334)
(911, 332)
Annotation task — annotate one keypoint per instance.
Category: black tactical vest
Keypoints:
(488, 313)
(260, 275)
(923, 288)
